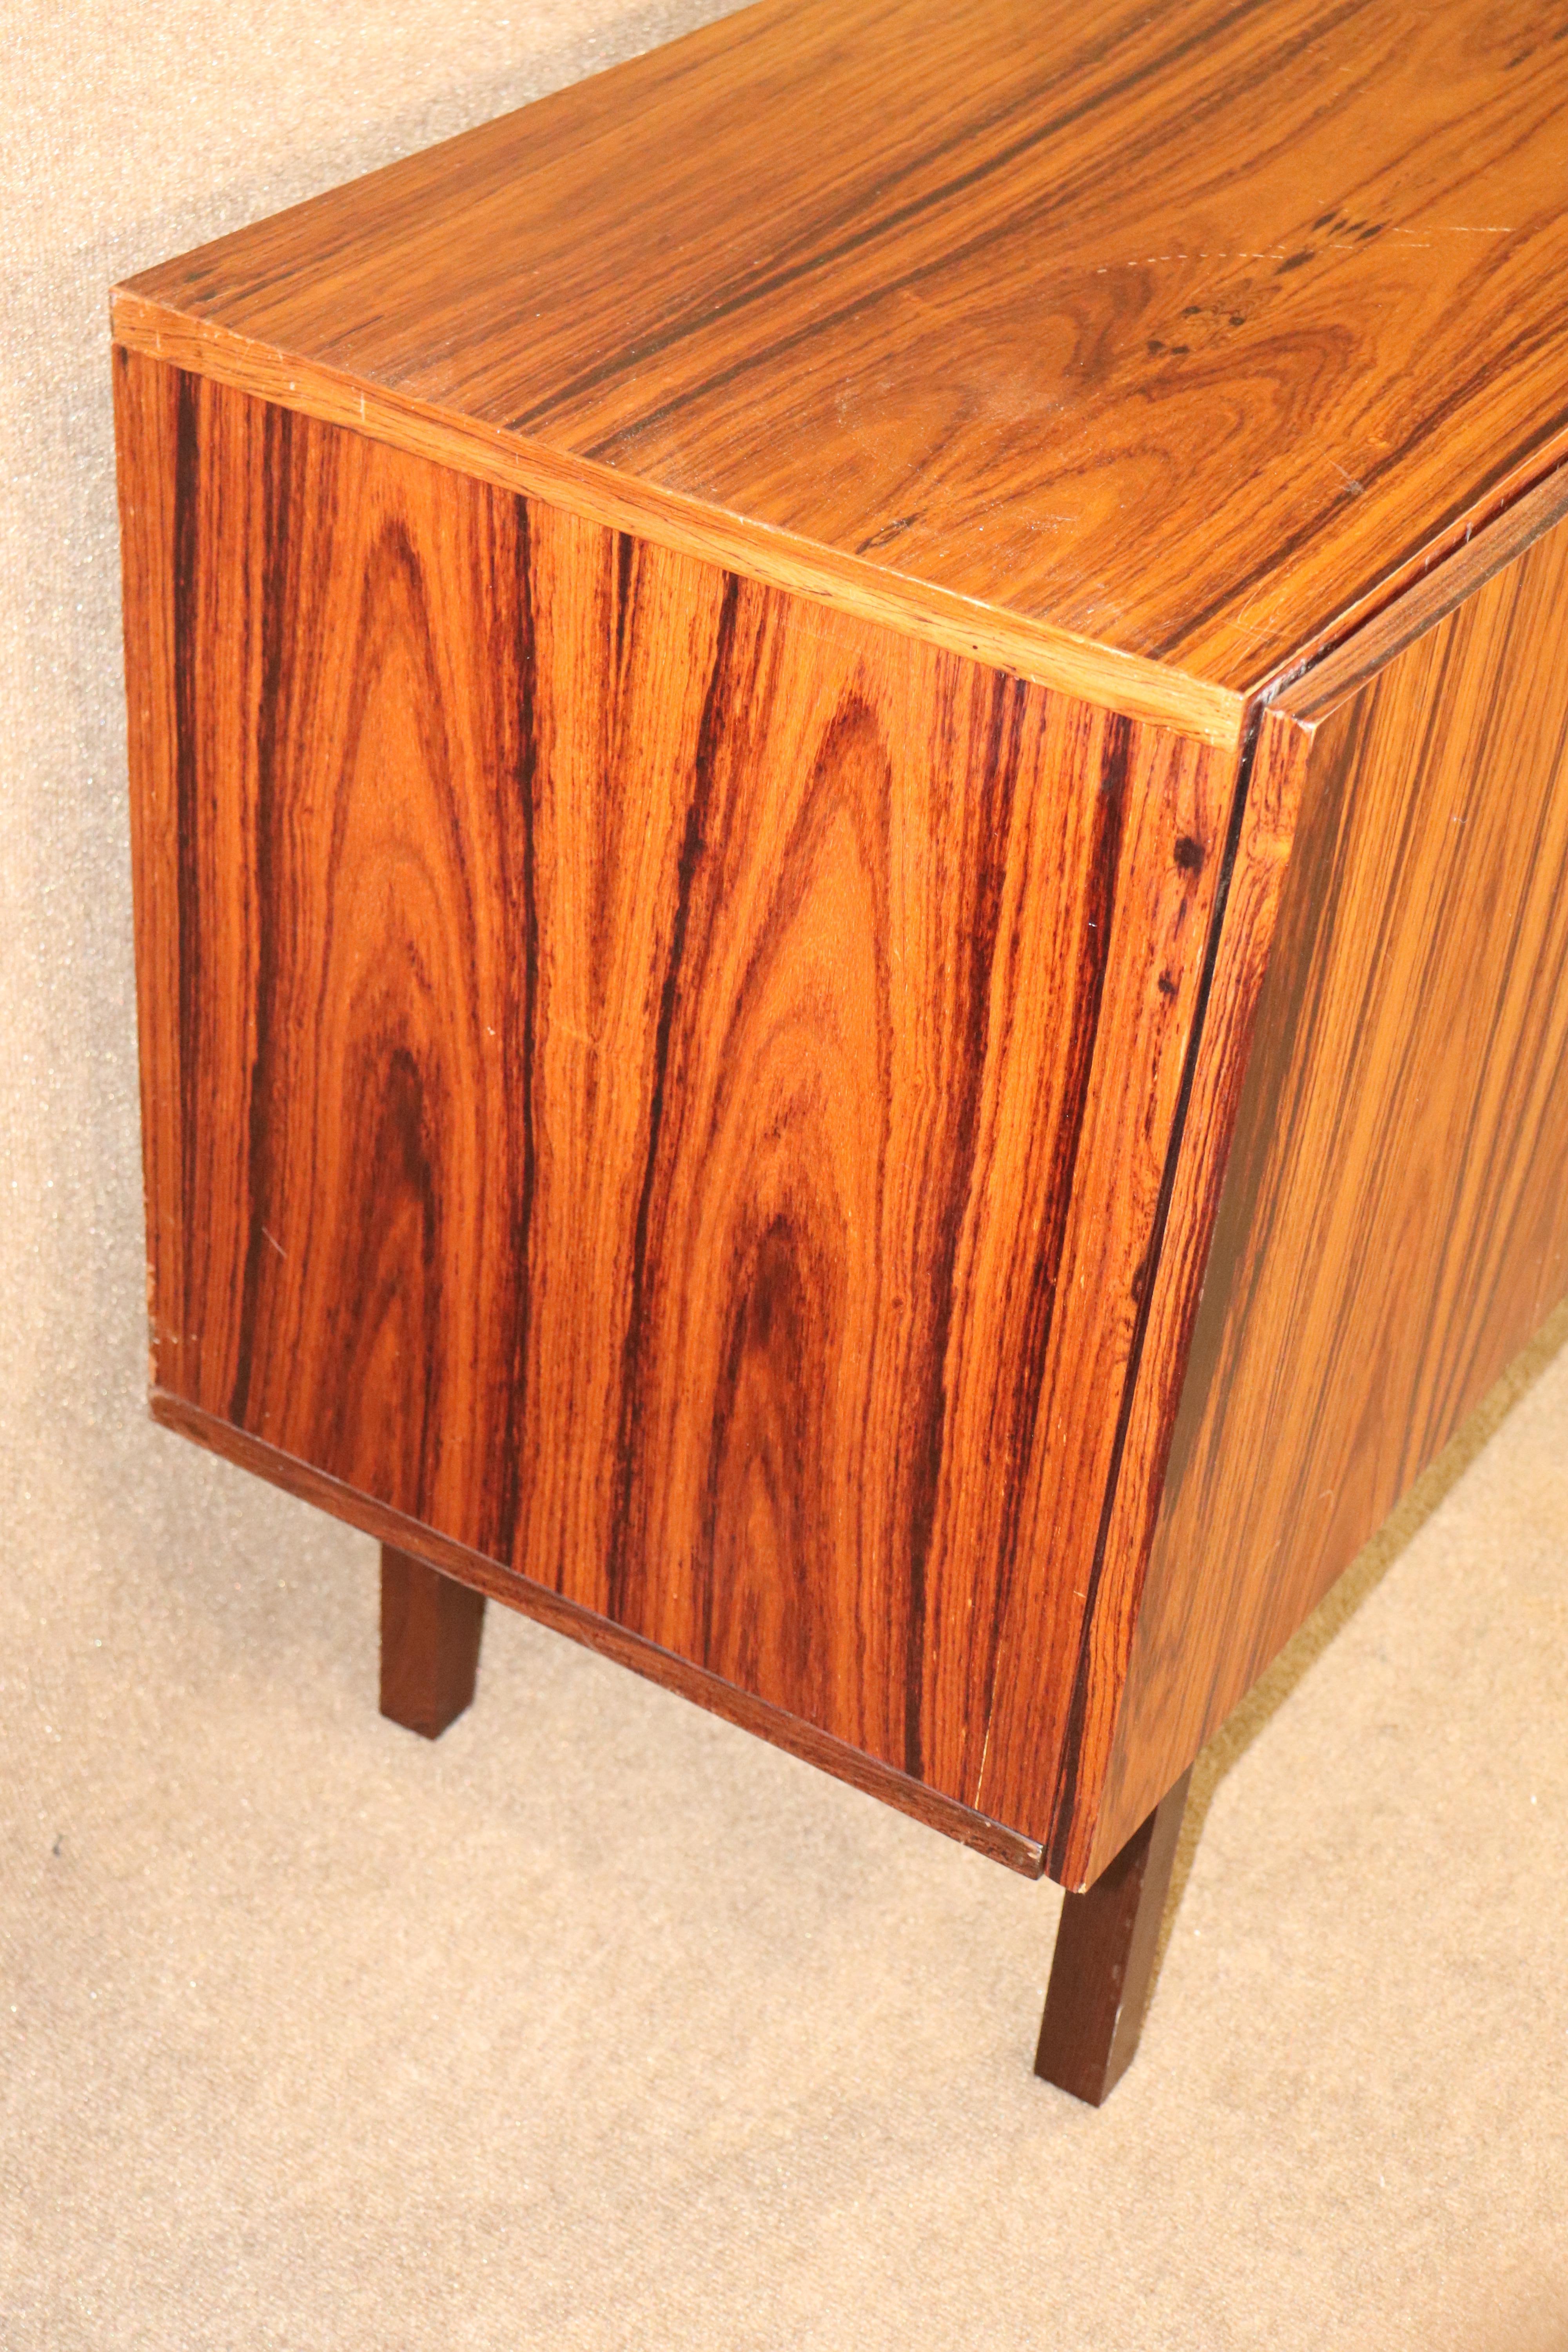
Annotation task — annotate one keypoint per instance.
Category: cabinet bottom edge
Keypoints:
(812, 1746)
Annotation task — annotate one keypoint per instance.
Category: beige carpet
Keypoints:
(600, 2024)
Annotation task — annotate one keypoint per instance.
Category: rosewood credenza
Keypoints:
(851, 853)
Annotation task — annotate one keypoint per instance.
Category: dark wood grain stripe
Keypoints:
(190, 901)
(692, 844)
(1046, 1270)
(1000, 771)
(272, 618)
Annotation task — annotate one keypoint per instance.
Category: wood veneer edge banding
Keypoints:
(143, 521)
(1306, 694)
(1137, 689)
(867, 1773)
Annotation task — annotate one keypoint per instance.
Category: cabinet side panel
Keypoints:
(1395, 1223)
(672, 1083)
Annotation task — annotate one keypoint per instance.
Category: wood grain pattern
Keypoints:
(667, 1086)
(1191, 334)
(1395, 1223)
(802, 567)
(1087, 1704)
(1102, 1973)
(498, 1582)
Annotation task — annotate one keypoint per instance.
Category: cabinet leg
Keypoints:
(1103, 1971)
(430, 1628)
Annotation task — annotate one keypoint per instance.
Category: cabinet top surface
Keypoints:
(1191, 332)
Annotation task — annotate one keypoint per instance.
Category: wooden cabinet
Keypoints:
(851, 831)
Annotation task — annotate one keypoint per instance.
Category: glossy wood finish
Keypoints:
(988, 1837)
(430, 1630)
(1139, 350)
(1086, 1828)
(1102, 1973)
(673, 1089)
(621, 502)
(756, 754)
(1395, 1225)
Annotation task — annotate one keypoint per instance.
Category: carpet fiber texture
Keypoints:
(598, 2023)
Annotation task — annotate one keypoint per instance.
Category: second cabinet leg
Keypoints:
(430, 1628)
(1103, 1971)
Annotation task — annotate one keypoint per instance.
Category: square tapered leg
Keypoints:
(1103, 1971)
(430, 1628)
